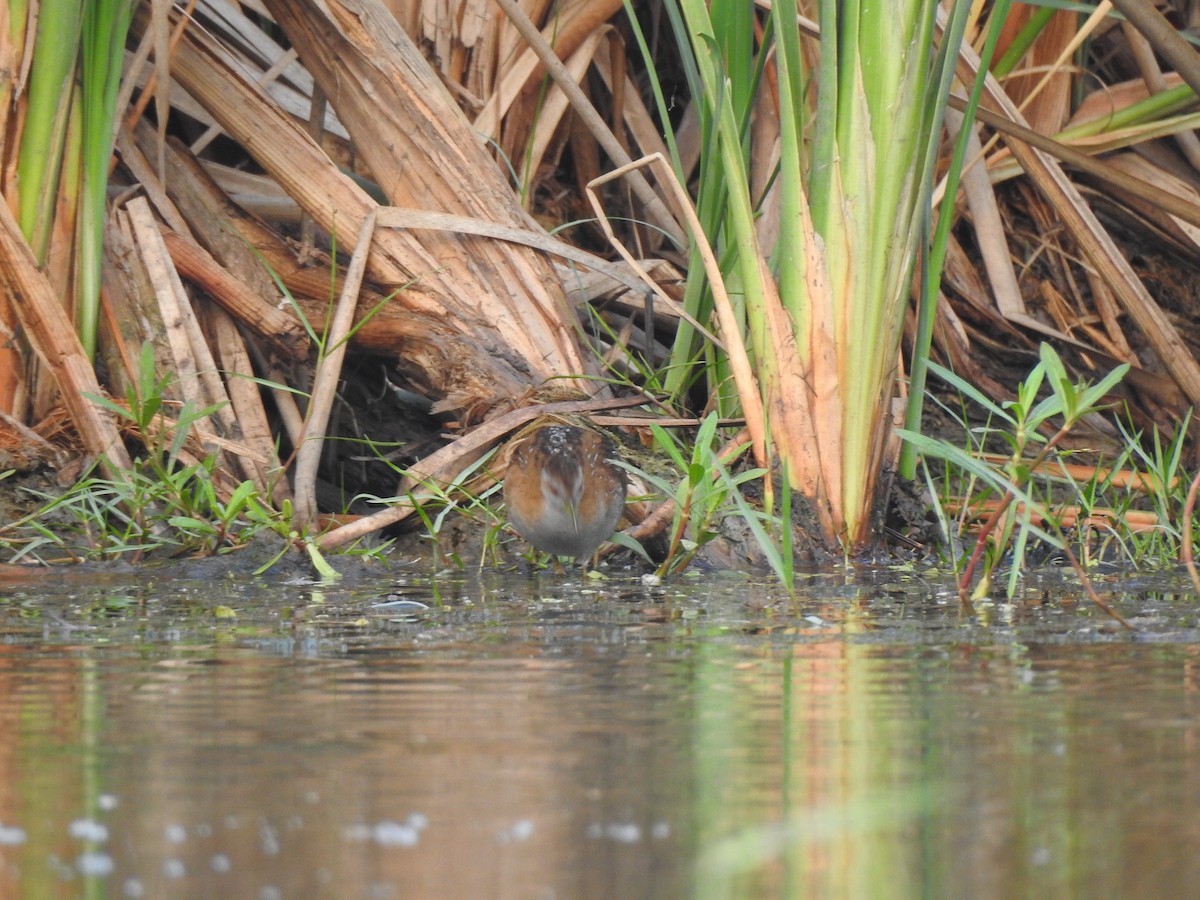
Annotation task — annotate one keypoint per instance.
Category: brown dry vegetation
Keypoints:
(282, 137)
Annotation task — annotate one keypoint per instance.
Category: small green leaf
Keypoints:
(189, 523)
(240, 497)
(667, 444)
(968, 390)
(324, 569)
(624, 540)
(1094, 394)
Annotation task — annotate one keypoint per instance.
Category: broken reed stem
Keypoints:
(329, 371)
(1068, 516)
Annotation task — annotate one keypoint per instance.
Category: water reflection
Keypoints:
(711, 741)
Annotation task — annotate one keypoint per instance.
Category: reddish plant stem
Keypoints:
(989, 526)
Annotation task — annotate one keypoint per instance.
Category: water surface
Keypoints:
(547, 737)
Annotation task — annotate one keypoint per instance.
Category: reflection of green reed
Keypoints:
(50, 758)
(834, 813)
(90, 739)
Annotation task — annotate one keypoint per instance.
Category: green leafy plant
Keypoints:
(165, 502)
(1008, 530)
(705, 493)
(433, 503)
(1162, 484)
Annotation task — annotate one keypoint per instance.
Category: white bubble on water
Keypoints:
(395, 834)
(518, 831)
(621, 832)
(94, 864)
(174, 868)
(88, 830)
(269, 839)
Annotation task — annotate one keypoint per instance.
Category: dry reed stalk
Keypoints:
(53, 339)
(325, 381)
(750, 392)
(572, 26)
(149, 180)
(1067, 516)
(633, 278)
(235, 242)
(12, 363)
(198, 377)
(242, 420)
(990, 234)
(279, 330)
(247, 403)
(129, 312)
(1124, 479)
(1164, 37)
(1181, 230)
(655, 208)
(1152, 74)
(421, 151)
(1044, 94)
(550, 112)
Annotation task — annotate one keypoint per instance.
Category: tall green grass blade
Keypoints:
(753, 518)
(660, 102)
(853, 185)
(1023, 41)
(791, 250)
(1156, 107)
(746, 274)
(106, 25)
(51, 81)
(931, 275)
(932, 448)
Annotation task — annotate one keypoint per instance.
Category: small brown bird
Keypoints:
(563, 492)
